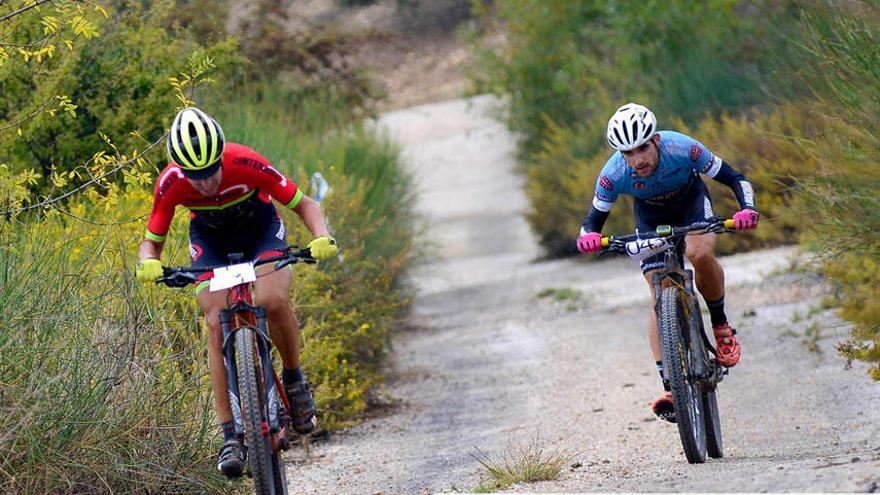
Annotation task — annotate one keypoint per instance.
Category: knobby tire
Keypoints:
(678, 353)
(712, 418)
(279, 474)
(252, 397)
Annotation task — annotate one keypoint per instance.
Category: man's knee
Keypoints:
(701, 255)
(274, 301)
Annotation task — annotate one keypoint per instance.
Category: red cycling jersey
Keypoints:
(245, 173)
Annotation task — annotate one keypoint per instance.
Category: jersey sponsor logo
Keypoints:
(696, 151)
(238, 188)
(639, 185)
(617, 171)
(195, 252)
(606, 183)
(712, 166)
(261, 167)
(171, 176)
(604, 197)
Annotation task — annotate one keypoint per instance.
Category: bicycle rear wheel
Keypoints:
(251, 387)
(680, 353)
(714, 444)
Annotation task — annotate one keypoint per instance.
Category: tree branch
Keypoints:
(52, 201)
(24, 9)
(25, 119)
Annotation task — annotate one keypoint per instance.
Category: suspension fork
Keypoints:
(244, 314)
(231, 371)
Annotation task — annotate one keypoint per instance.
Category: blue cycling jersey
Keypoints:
(682, 158)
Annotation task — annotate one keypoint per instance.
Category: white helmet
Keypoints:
(630, 126)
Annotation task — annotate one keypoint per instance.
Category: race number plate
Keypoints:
(232, 275)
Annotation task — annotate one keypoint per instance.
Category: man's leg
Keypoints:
(709, 279)
(212, 303)
(231, 458)
(273, 293)
(708, 274)
(653, 333)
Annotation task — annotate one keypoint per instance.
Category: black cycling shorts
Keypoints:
(262, 232)
(694, 205)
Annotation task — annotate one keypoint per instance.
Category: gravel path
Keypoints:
(487, 362)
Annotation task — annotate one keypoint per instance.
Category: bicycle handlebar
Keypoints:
(186, 275)
(617, 244)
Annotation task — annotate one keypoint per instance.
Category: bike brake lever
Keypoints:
(282, 263)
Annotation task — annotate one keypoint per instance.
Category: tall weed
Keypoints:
(842, 193)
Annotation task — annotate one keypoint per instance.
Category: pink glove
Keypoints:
(591, 242)
(746, 219)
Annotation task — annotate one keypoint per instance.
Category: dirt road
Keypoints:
(487, 362)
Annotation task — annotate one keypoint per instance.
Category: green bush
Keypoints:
(841, 194)
(118, 80)
(561, 62)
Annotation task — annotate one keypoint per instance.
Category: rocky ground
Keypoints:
(487, 363)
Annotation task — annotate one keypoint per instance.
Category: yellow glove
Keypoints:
(148, 270)
(323, 248)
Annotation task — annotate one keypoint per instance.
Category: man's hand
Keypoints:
(148, 270)
(746, 219)
(323, 248)
(591, 242)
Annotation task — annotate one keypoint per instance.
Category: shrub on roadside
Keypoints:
(841, 195)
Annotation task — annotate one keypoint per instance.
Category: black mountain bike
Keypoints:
(260, 411)
(689, 358)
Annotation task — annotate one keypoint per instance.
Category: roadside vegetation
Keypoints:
(103, 382)
(785, 91)
(521, 462)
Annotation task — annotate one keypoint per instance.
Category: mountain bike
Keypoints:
(689, 359)
(260, 411)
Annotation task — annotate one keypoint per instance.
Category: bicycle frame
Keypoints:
(683, 278)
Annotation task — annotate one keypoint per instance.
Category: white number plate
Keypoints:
(232, 275)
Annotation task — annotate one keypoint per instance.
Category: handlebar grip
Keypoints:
(729, 223)
(605, 242)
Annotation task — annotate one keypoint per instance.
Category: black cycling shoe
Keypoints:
(231, 459)
(302, 404)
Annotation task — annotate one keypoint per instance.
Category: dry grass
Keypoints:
(521, 462)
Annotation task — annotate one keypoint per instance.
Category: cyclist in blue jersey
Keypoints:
(661, 171)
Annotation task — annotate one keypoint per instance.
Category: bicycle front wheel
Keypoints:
(252, 389)
(680, 355)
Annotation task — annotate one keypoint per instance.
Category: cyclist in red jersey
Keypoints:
(228, 189)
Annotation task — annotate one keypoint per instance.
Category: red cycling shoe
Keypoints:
(664, 407)
(726, 344)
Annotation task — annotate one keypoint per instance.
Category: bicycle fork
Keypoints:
(264, 349)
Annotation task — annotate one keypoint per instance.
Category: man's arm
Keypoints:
(150, 250)
(594, 220)
(738, 182)
(311, 215)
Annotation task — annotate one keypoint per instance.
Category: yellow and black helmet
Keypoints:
(195, 143)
